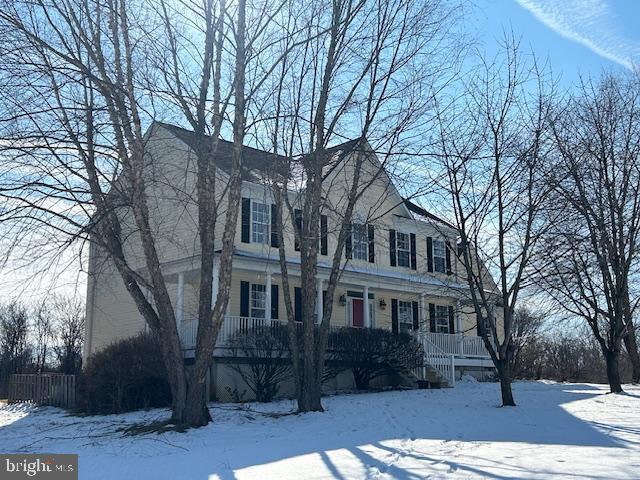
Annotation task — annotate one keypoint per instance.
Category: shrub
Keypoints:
(267, 360)
(371, 353)
(127, 375)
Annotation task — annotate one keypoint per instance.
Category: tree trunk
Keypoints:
(504, 372)
(196, 413)
(613, 371)
(631, 345)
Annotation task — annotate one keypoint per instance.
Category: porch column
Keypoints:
(367, 318)
(180, 301)
(267, 303)
(319, 302)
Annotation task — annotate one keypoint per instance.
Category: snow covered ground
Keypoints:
(558, 430)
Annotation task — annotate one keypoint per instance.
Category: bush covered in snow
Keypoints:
(127, 375)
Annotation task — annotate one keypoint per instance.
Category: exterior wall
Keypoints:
(112, 314)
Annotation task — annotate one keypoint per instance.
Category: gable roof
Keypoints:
(256, 164)
(421, 212)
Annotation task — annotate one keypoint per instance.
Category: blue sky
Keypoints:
(578, 37)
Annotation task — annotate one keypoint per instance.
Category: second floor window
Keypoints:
(439, 256)
(359, 241)
(258, 301)
(403, 249)
(259, 222)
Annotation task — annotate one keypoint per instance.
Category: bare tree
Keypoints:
(82, 81)
(15, 352)
(492, 161)
(589, 258)
(358, 78)
(42, 333)
(68, 331)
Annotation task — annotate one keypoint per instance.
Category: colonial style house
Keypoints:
(399, 272)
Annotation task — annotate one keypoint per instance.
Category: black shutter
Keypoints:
(347, 244)
(412, 238)
(323, 235)
(432, 317)
(274, 301)
(297, 294)
(448, 250)
(416, 321)
(429, 254)
(244, 299)
(394, 316)
(274, 226)
(452, 322)
(297, 214)
(246, 219)
(392, 248)
(372, 243)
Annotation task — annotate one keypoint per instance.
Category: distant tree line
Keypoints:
(43, 337)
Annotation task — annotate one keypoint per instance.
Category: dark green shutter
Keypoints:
(432, 317)
(372, 243)
(274, 226)
(323, 235)
(394, 316)
(416, 320)
(244, 299)
(347, 244)
(274, 301)
(297, 307)
(448, 250)
(452, 322)
(429, 254)
(297, 214)
(392, 248)
(246, 220)
(412, 238)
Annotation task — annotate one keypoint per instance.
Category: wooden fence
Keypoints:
(55, 389)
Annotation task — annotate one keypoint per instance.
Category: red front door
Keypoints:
(357, 312)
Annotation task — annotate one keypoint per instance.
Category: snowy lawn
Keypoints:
(558, 430)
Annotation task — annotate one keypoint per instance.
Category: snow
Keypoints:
(558, 430)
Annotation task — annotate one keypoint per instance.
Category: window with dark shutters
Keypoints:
(246, 220)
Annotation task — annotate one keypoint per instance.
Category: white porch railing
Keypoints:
(458, 344)
(438, 359)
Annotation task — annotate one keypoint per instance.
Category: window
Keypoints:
(442, 319)
(259, 222)
(258, 301)
(439, 256)
(403, 249)
(359, 242)
(405, 316)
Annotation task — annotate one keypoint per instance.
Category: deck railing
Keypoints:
(458, 344)
(452, 344)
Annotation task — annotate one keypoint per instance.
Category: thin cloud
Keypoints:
(590, 23)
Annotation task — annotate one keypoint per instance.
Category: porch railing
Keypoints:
(458, 344)
(451, 344)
